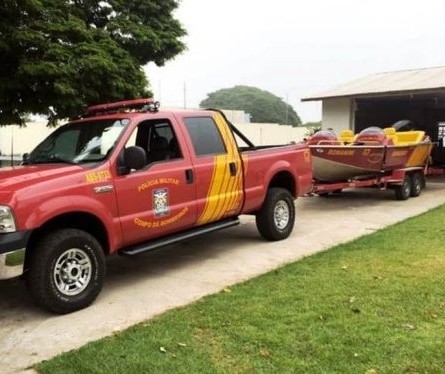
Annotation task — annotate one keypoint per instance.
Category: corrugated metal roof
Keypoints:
(389, 83)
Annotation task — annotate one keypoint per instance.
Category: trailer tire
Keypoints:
(417, 184)
(276, 218)
(66, 271)
(403, 192)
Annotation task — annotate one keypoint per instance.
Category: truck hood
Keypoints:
(15, 178)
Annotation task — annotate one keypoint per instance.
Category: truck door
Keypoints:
(217, 166)
(160, 198)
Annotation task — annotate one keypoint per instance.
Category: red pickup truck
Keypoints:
(128, 178)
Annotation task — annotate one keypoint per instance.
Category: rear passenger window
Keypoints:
(205, 136)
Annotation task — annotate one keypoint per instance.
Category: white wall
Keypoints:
(271, 133)
(236, 116)
(25, 138)
(338, 114)
(263, 133)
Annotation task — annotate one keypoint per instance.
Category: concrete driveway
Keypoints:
(138, 288)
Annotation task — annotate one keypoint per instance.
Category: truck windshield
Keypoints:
(79, 143)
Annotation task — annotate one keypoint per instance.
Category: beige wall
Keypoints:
(271, 133)
(25, 138)
(265, 133)
(338, 114)
(235, 116)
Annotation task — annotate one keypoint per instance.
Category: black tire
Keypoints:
(276, 218)
(403, 192)
(66, 271)
(417, 184)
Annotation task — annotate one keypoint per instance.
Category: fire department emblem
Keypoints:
(160, 202)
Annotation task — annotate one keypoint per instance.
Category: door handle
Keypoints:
(232, 168)
(189, 179)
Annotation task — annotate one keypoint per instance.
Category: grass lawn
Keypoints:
(374, 305)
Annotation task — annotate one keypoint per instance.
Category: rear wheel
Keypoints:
(403, 191)
(66, 271)
(417, 183)
(276, 218)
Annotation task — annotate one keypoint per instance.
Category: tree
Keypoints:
(263, 106)
(59, 56)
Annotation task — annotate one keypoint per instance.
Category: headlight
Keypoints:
(7, 222)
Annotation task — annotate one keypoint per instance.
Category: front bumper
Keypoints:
(12, 253)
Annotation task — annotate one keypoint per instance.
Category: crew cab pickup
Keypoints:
(127, 178)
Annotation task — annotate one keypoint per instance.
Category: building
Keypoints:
(385, 98)
(16, 140)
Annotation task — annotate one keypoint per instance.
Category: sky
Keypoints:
(296, 48)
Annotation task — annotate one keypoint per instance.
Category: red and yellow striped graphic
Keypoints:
(225, 193)
(420, 154)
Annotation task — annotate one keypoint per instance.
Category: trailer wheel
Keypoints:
(276, 218)
(403, 192)
(66, 271)
(417, 183)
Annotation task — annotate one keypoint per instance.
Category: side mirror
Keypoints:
(135, 158)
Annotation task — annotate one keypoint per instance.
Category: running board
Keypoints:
(176, 238)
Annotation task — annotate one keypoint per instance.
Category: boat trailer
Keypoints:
(406, 183)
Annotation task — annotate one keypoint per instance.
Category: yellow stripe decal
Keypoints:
(419, 155)
(225, 191)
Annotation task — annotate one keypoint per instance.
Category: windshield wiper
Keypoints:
(53, 159)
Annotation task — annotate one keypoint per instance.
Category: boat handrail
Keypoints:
(328, 142)
(368, 142)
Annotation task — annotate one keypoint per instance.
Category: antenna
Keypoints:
(12, 145)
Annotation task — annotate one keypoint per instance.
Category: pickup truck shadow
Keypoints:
(168, 259)
(16, 303)
(175, 260)
(14, 295)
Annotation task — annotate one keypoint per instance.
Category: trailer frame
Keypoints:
(406, 182)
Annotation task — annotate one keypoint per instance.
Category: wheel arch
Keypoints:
(284, 179)
(77, 220)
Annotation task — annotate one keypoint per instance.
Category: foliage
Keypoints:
(374, 305)
(312, 127)
(58, 56)
(312, 124)
(263, 106)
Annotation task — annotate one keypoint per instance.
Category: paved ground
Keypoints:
(139, 288)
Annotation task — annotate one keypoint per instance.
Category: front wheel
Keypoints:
(66, 271)
(276, 218)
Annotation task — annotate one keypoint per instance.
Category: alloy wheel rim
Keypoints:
(281, 214)
(72, 272)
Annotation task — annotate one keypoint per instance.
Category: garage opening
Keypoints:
(425, 111)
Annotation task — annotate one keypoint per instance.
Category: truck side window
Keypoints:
(205, 136)
(158, 140)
